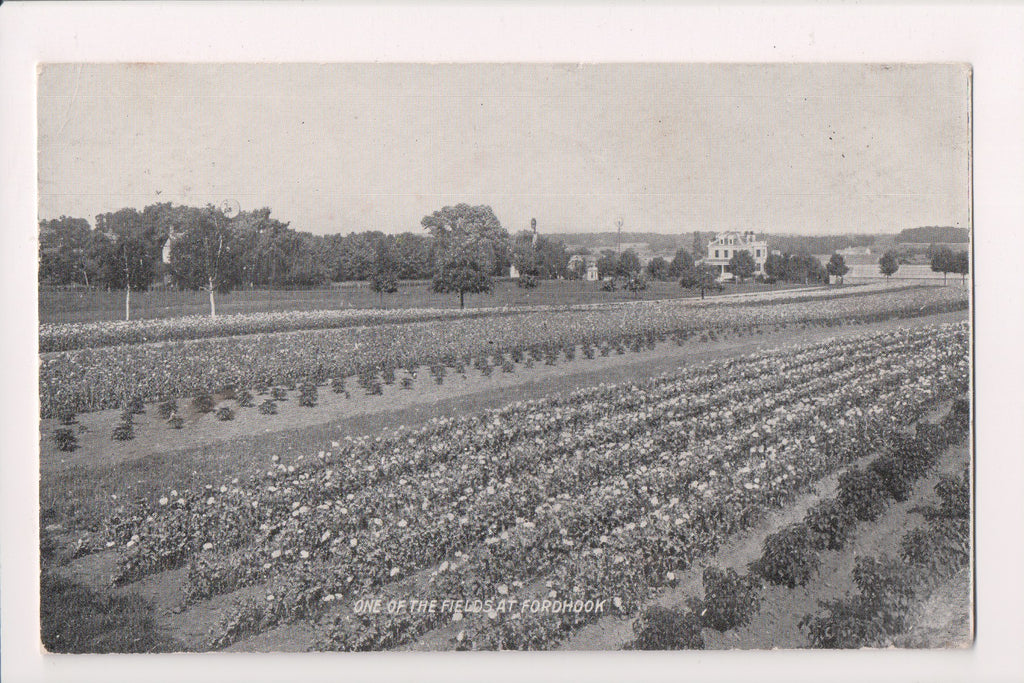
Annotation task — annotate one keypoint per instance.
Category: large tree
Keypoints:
(701, 276)
(837, 266)
(64, 246)
(207, 255)
(384, 278)
(775, 267)
(134, 251)
(469, 245)
(742, 265)
(628, 264)
(657, 268)
(961, 265)
(889, 263)
(942, 261)
(682, 261)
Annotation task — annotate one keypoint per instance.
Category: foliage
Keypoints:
(730, 600)
(175, 421)
(65, 439)
(167, 408)
(628, 264)
(864, 493)
(526, 282)
(831, 523)
(662, 628)
(203, 403)
(608, 285)
(636, 284)
(224, 413)
(742, 265)
(75, 619)
(788, 557)
(836, 266)
(889, 263)
(681, 262)
(308, 395)
(658, 269)
(245, 398)
(268, 407)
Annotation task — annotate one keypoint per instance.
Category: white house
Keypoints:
(590, 262)
(727, 244)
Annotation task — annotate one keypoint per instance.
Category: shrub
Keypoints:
(729, 599)
(308, 395)
(203, 403)
(167, 408)
(934, 552)
(338, 385)
(438, 371)
(279, 393)
(526, 282)
(123, 431)
(175, 421)
(588, 351)
(407, 382)
(66, 416)
(842, 624)
(788, 557)
(268, 407)
(225, 413)
(228, 392)
(136, 405)
(507, 366)
(863, 492)
(374, 388)
(65, 439)
(888, 588)
(245, 398)
(954, 495)
(516, 354)
(897, 475)
(387, 373)
(608, 285)
(661, 628)
(831, 524)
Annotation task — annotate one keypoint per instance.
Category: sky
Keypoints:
(668, 148)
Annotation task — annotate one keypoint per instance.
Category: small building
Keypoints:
(586, 263)
(727, 244)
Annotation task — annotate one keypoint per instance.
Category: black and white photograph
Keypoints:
(504, 357)
(422, 357)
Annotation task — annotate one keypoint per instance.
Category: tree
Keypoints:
(961, 265)
(63, 251)
(657, 268)
(607, 263)
(384, 278)
(682, 261)
(742, 265)
(837, 266)
(943, 261)
(628, 264)
(701, 276)
(469, 245)
(700, 245)
(462, 275)
(889, 263)
(775, 267)
(207, 255)
(131, 260)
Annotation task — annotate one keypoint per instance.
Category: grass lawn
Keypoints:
(74, 306)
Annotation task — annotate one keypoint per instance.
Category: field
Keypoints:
(78, 306)
(593, 477)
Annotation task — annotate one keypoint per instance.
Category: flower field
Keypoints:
(71, 336)
(91, 379)
(601, 494)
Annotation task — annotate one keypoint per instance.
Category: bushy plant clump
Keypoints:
(661, 628)
(831, 523)
(730, 600)
(268, 407)
(788, 557)
(308, 395)
(864, 493)
(203, 403)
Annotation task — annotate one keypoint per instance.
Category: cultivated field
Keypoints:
(255, 482)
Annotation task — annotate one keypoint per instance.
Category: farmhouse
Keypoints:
(726, 244)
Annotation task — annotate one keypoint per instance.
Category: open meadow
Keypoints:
(736, 472)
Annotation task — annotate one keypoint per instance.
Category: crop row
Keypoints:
(71, 336)
(382, 474)
(792, 555)
(94, 379)
(656, 551)
(294, 593)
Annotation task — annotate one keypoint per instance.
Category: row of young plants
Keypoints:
(378, 477)
(791, 556)
(70, 336)
(513, 479)
(531, 556)
(99, 378)
(651, 558)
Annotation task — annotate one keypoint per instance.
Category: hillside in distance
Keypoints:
(935, 233)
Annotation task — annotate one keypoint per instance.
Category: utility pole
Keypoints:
(618, 236)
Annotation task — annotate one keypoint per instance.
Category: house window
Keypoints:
(716, 253)
(758, 251)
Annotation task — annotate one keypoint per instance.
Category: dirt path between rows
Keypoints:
(776, 624)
